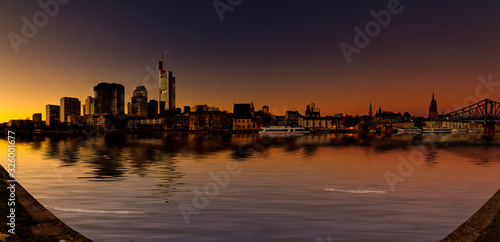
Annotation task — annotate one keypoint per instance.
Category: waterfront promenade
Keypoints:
(484, 225)
(33, 221)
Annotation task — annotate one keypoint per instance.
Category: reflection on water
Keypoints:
(110, 157)
(108, 154)
(295, 188)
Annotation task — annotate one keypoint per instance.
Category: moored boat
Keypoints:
(409, 131)
(476, 131)
(459, 131)
(283, 131)
(436, 130)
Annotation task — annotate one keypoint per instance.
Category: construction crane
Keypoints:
(161, 57)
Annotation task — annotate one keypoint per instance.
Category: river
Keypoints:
(245, 188)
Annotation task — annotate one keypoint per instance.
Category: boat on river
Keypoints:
(436, 130)
(283, 131)
(409, 131)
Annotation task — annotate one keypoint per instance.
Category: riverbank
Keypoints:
(158, 131)
(484, 225)
(33, 222)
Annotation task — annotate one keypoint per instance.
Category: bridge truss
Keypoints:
(483, 110)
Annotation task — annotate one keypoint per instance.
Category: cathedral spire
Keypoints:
(433, 113)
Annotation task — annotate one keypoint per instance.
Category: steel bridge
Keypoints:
(485, 110)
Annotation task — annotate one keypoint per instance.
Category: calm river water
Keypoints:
(240, 188)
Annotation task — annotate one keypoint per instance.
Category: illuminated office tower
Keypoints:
(140, 102)
(69, 106)
(167, 89)
(52, 114)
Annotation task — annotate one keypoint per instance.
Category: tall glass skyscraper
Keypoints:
(109, 98)
(89, 105)
(167, 89)
(140, 102)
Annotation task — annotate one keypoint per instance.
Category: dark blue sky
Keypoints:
(281, 53)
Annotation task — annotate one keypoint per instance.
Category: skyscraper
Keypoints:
(152, 108)
(140, 101)
(69, 106)
(52, 114)
(109, 98)
(433, 113)
(89, 105)
(167, 89)
(129, 108)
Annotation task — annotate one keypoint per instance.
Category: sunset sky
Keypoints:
(284, 54)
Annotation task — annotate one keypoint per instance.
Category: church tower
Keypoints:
(433, 113)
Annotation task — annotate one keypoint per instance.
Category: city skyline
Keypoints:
(245, 57)
(141, 92)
